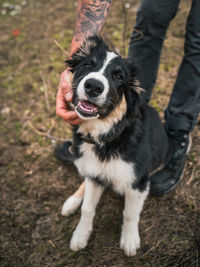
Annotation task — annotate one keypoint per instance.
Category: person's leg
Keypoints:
(153, 18)
(184, 107)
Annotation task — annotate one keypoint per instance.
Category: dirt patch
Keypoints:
(34, 185)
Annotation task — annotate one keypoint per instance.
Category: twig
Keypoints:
(53, 137)
(46, 134)
(151, 248)
(124, 11)
(45, 92)
(53, 245)
(59, 45)
(124, 29)
(107, 39)
(38, 132)
(191, 177)
(22, 65)
(149, 228)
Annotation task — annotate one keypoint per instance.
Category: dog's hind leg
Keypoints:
(83, 230)
(130, 239)
(73, 202)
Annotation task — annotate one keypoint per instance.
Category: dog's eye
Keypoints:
(117, 77)
(87, 66)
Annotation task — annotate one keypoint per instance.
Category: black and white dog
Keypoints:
(119, 142)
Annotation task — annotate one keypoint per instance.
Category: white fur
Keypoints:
(116, 171)
(130, 239)
(97, 127)
(71, 205)
(83, 230)
(119, 173)
(98, 75)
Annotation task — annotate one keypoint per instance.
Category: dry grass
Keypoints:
(34, 185)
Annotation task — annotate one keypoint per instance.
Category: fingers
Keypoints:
(76, 121)
(65, 85)
(65, 95)
(62, 109)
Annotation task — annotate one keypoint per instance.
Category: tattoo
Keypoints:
(91, 15)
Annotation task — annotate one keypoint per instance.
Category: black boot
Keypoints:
(167, 179)
(64, 153)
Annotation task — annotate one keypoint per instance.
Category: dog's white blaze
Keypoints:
(120, 173)
(109, 57)
(98, 75)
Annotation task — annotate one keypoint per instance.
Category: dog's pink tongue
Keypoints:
(88, 105)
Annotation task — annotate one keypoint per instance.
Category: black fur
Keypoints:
(139, 137)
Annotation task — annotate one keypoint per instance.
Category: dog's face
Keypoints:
(100, 79)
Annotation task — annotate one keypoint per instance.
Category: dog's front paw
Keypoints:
(71, 205)
(130, 242)
(79, 239)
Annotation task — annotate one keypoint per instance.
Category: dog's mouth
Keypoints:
(87, 109)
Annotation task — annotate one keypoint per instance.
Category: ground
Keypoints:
(34, 185)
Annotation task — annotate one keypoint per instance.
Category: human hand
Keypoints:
(65, 95)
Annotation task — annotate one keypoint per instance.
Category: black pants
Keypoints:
(153, 18)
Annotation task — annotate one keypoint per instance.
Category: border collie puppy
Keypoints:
(119, 142)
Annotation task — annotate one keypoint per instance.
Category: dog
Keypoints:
(119, 143)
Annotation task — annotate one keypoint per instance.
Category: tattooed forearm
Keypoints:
(91, 16)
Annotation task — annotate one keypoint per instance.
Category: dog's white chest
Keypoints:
(115, 171)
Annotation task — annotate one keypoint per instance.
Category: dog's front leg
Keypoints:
(83, 230)
(74, 201)
(130, 239)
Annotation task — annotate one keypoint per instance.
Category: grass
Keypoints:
(33, 185)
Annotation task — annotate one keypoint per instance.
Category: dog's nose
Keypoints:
(93, 87)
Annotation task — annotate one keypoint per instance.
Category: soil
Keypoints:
(34, 185)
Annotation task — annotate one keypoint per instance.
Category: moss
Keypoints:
(40, 248)
(155, 104)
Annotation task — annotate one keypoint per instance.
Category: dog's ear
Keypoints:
(91, 44)
(133, 81)
(131, 67)
(134, 93)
